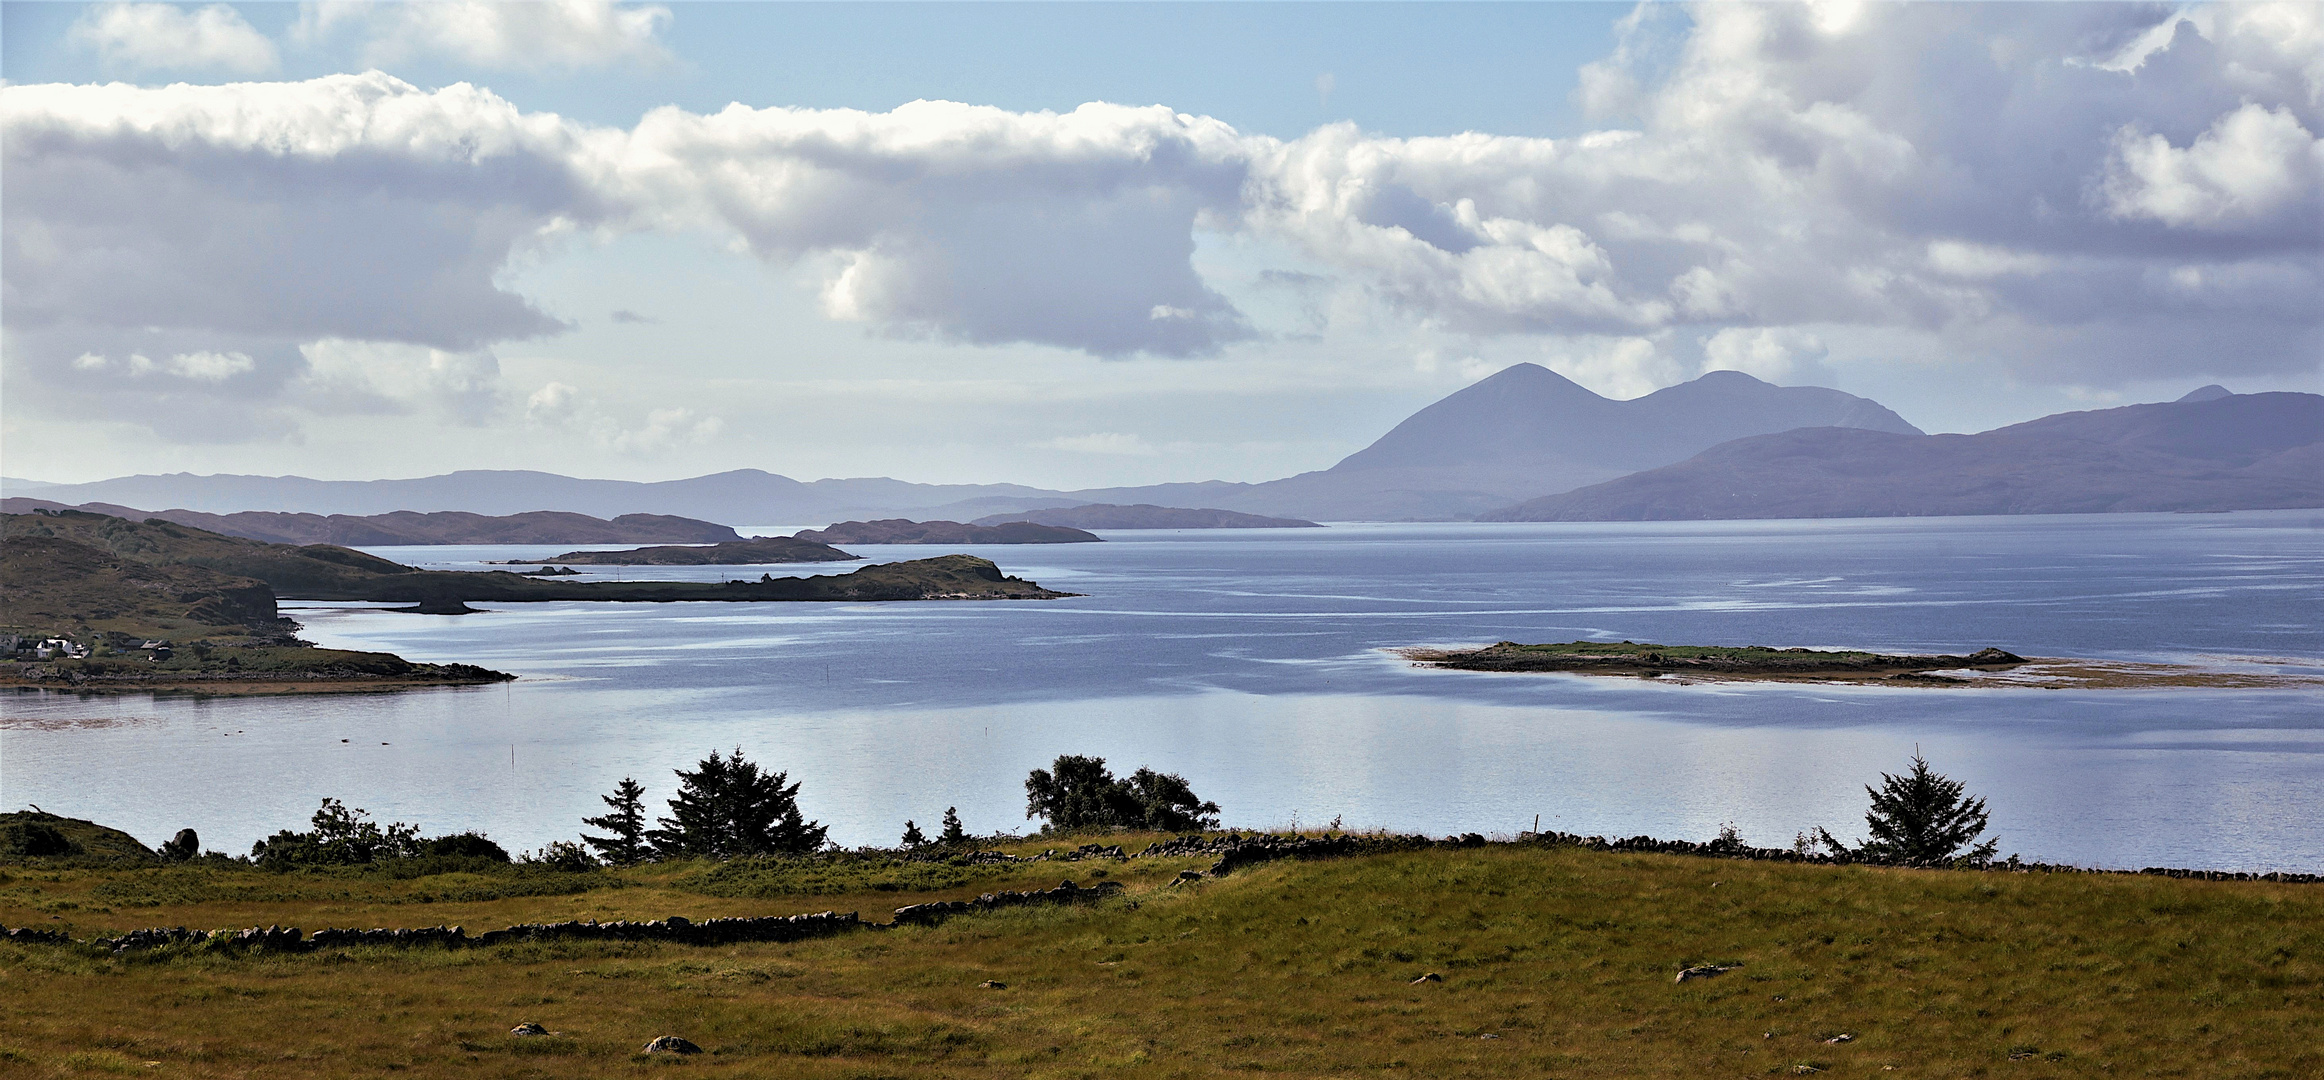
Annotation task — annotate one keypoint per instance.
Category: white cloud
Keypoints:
(2249, 168)
(560, 406)
(166, 37)
(964, 223)
(533, 35)
(1782, 355)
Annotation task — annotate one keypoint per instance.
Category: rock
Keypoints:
(1431, 977)
(528, 1028)
(992, 984)
(671, 1044)
(1187, 877)
(1840, 1038)
(1705, 971)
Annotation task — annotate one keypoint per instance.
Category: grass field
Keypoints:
(1554, 962)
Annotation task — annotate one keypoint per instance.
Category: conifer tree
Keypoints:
(727, 808)
(1920, 817)
(913, 837)
(953, 833)
(627, 823)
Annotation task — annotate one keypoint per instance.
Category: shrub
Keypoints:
(32, 839)
(1082, 794)
(340, 837)
(465, 845)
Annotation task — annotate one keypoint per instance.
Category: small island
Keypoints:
(1989, 667)
(1145, 516)
(1647, 660)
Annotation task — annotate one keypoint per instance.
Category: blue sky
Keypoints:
(354, 240)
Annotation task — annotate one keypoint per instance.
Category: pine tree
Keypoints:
(627, 823)
(1920, 817)
(726, 808)
(953, 833)
(913, 837)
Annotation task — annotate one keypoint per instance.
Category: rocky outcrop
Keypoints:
(900, 531)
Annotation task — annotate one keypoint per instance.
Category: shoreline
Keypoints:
(195, 684)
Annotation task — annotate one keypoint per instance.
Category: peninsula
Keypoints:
(900, 531)
(1145, 516)
(91, 601)
(758, 552)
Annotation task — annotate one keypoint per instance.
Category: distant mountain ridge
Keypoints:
(1145, 516)
(1523, 432)
(2207, 451)
(1527, 430)
(406, 527)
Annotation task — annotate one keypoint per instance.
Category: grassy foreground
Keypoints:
(1555, 962)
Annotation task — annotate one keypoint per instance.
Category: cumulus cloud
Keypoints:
(535, 35)
(965, 223)
(166, 37)
(2250, 167)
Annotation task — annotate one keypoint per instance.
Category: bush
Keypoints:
(340, 837)
(32, 839)
(1082, 794)
(465, 845)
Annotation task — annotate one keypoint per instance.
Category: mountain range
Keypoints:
(2210, 450)
(1522, 444)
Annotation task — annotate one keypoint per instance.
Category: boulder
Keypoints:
(671, 1044)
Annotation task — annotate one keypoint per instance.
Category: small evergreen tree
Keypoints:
(627, 823)
(913, 837)
(1920, 817)
(953, 833)
(726, 808)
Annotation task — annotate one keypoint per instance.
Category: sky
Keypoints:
(1080, 245)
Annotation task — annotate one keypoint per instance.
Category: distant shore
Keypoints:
(69, 679)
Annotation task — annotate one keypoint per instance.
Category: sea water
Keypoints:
(1256, 664)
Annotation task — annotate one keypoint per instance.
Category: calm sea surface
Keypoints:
(1253, 663)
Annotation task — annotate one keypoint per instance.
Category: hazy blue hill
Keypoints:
(411, 527)
(1145, 516)
(1528, 430)
(2233, 452)
(1523, 432)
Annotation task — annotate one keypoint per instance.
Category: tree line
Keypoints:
(728, 807)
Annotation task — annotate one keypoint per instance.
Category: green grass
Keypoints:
(1565, 957)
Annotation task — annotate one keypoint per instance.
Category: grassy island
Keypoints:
(1748, 661)
(1441, 960)
(1990, 667)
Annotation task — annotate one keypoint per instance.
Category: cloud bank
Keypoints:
(2087, 193)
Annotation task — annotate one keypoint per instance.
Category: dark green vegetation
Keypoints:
(411, 527)
(900, 531)
(1920, 817)
(727, 808)
(1553, 961)
(770, 549)
(1749, 661)
(38, 834)
(1081, 793)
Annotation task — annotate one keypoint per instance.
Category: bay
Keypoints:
(1254, 663)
